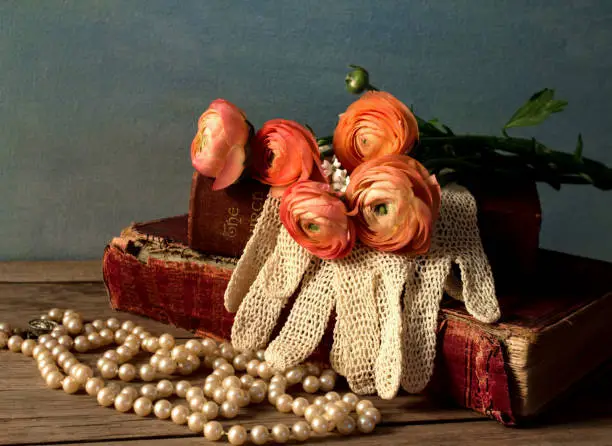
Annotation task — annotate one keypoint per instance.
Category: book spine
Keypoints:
(470, 364)
(221, 222)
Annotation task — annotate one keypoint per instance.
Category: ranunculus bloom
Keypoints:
(395, 202)
(284, 152)
(317, 219)
(218, 148)
(375, 125)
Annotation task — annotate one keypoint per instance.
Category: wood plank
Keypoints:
(31, 413)
(452, 434)
(51, 271)
(25, 301)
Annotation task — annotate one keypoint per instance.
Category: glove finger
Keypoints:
(258, 248)
(478, 288)
(307, 321)
(394, 270)
(260, 309)
(356, 307)
(422, 296)
(284, 274)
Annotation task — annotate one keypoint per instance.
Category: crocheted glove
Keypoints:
(376, 345)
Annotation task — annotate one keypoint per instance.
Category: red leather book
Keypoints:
(221, 222)
(550, 334)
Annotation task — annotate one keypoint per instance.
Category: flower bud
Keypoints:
(357, 80)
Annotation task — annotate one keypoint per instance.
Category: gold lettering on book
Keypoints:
(230, 226)
(256, 206)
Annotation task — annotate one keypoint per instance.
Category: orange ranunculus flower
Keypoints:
(317, 219)
(218, 148)
(375, 125)
(284, 152)
(395, 202)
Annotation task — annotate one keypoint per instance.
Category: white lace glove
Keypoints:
(376, 344)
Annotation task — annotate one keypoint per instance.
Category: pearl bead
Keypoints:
(130, 391)
(227, 351)
(124, 353)
(313, 369)
(327, 382)
(351, 399)
(274, 394)
(5, 327)
(213, 431)
(38, 350)
(51, 344)
(128, 326)
(182, 388)
(14, 343)
(219, 395)
(93, 386)
(81, 344)
(311, 384)
(74, 326)
(374, 414)
(109, 369)
(365, 424)
(127, 372)
(280, 433)
(179, 414)
(226, 368)
(113, 323)
(284, 403)
(81, 373)
(301, 431)
(194, 347)
(146, 372)
(55, 314)
(27, 347)
(98, 324)
(237, 435)
(260, 434)
(114, 386)
(120, 336)
(362, 406)
(54, 379)
(44, 339)
(319, 424)
(265, 371)
(279, 380)
(252, 367)
(229, 410)
(312, 411)
(143, 406)
(167, 341)
(179, 353)
(154, 361)
(95, 341)
(334, 413)
(106, 396)
(210, 410)
(167, 365)
(123, 403)
(70, 385)
(195, 422)
(261, 355)
(149, 391)
(4, 337)
(137, 330)
(320, 401)
(209, 388)
(164, 388)
(257, 394)
(208, 346)
(332, 396)
(196, 403)
(345, 407)
(277, 386)
(162, 409)
(231, 381)
(240, 362)
(132, 339)
(69, 363)
(107, 336)
(299, 405)
(48, 369)
(346, 426)
(88, 328)
(246, 381)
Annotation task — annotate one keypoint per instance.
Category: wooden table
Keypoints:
(31, 414)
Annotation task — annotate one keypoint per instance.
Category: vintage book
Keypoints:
(221, 222)
(549, 337)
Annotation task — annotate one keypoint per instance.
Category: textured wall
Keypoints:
(98, 99)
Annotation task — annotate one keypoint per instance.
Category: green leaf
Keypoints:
(536, 110)
(579, 146)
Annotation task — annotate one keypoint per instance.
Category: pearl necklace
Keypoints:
(223, 392)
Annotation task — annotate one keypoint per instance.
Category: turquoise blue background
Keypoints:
(99, 99)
